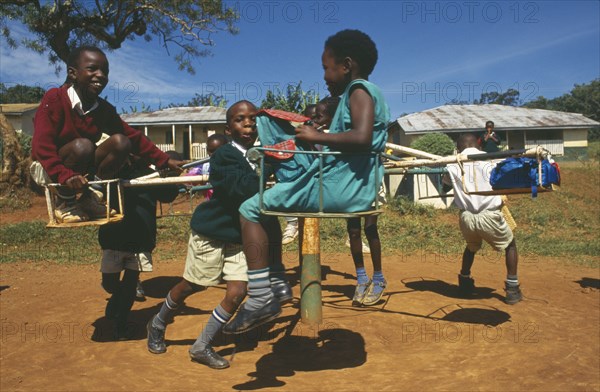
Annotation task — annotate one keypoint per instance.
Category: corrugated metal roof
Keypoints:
(461, 118)
(17, 108)
(181, 115)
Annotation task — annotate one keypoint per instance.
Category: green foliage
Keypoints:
(293, 100)
(208, 100)
(62, 25)
(509, 97)
(594, 150)
(20, 93)
(25, 142)
(133, 109)
(203, 100)
(584, 99)
(434, 143)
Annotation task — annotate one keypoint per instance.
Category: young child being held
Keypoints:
(350, 182)
(215, 245)
(69, 123)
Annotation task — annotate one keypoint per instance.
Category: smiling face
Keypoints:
(90, 76)
(241, 125)
(337, 75)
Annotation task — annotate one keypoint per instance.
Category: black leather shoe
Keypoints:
(156, 339)
(210, 358)
(282, 291)
(513, 294)
(466, 285)
(246, 320)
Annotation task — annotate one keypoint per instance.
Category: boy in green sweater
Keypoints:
(215, 245)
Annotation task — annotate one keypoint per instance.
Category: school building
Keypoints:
(563, 134)
(20, 115)
(181, 129)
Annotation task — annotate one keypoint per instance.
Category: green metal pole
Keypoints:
(310, 279)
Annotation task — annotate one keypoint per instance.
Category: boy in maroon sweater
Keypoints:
(67, 129)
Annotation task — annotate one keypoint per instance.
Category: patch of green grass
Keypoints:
(594, 150)
(563, 224)
(13, 199)
(32, 241)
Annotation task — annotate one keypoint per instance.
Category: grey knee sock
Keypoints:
(259, 289)
(166, 312)
(277, 274)
(216, 321)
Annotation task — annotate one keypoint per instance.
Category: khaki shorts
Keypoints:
(114, 261)
(208, 261)
(486, 225)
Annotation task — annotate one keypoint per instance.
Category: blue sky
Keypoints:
(429, 52)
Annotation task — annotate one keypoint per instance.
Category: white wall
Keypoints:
(575, 137)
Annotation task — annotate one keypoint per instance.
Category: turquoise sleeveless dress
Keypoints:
(350, 181)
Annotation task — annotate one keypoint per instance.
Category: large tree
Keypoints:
(584, 99)
(20, 93)
(509, 97)
(61, 25)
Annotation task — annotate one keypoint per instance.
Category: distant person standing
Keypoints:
(489, 140)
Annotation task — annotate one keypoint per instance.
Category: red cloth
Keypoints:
(287, 145)
(283, 115)
(56, 123)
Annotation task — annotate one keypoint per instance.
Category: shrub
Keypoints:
(434, 143)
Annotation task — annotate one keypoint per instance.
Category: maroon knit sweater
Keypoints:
(56, 123)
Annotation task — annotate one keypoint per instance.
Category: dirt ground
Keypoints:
(54, 335)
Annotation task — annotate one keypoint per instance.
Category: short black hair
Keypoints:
(217, 137)
(489, 122)
(356, 45)
(228, 113)
(308, 108)
(466, 140)
(331, 104)
(73, 59)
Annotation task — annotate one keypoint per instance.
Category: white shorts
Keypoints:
(114, 261)
(209, 260)
(486, 225)
(38, 174)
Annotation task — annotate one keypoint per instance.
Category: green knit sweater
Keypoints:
(233, 181)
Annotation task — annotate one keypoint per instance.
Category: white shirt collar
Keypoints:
(243, 150)
(239, 147)
(76, 102)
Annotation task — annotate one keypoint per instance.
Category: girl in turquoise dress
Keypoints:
(350, 181)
